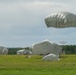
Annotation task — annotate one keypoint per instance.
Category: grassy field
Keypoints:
(20, 65)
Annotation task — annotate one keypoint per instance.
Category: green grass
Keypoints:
(20, 65)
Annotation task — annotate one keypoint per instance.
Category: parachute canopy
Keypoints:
(3, 50)
(61, 20)
(23, 52)
(46, 47)
(51, 57)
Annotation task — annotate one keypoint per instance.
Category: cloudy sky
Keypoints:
(22, 22)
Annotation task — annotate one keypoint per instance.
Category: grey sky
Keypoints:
(22, 22)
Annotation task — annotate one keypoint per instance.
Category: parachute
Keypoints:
(61, 20)
(51, 57)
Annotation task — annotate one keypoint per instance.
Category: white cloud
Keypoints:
(20, 13)
(24, 20)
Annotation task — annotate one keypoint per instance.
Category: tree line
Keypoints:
(69, 49)
(13, 51)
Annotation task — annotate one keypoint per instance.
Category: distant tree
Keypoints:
(69, 49)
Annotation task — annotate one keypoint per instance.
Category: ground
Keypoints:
(20, 65)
